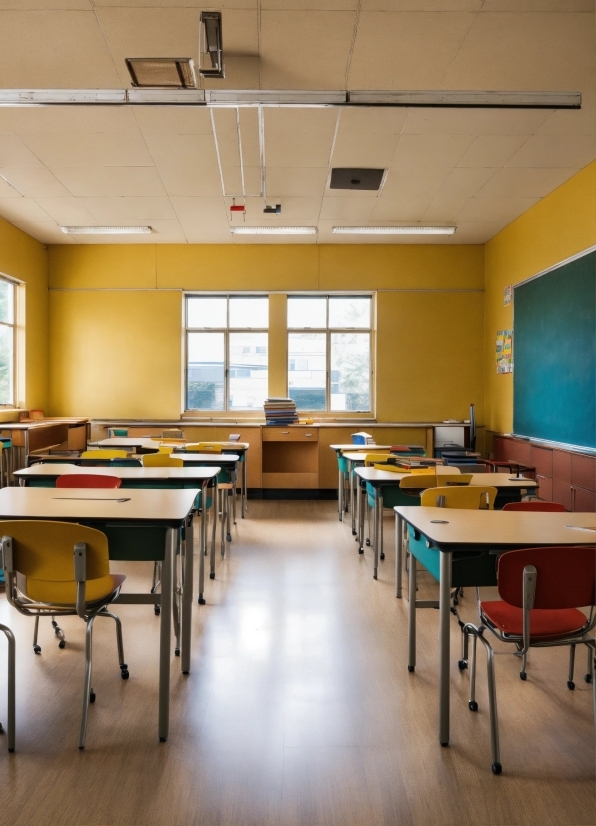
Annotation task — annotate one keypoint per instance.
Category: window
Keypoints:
(329, 339)
(226, 352)
(7, 341)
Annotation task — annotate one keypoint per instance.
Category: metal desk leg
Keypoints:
(351, 475)
(444, 652)
(360, 509)
(215, 515)
(399, 536)
(375, 533)
(187, 589)
(203, 542)
(165, 633)
(244, 496)
(412, 615)
(340, 495)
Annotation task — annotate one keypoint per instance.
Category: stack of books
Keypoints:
(280, 411)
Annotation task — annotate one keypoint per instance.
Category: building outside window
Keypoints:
(7, 342)
(329, 347)
(226, 352)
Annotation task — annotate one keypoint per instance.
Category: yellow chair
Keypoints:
(371, 458)
(165, 449)
(472, 497)
(62, 568)
(103, 455)
(160, 460)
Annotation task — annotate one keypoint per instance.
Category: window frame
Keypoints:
(329, 331)
(11, 325)
(226, 334)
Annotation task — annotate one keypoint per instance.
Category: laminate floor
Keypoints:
(299, 710)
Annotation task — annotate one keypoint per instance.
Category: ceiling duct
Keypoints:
(162, 72)
(211, 21)
(356, 179)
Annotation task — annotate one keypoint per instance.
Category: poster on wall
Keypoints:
(504, 351)
(507, 295)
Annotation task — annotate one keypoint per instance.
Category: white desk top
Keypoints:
(163, 505)
(493, 480)
(54, 469)
(360, 448)
(500, 528)
(153, 444)
(212, 458)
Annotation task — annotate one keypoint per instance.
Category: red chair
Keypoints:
(87, 480)
(535, 505)
(541, 590)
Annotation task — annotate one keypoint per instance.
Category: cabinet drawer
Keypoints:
(583, 471)
(290, 434)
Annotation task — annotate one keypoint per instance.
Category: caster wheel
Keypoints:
(176, 652)
(62, 644)
(11, 751)
(37, 649)
(523, 675)
(92, 697)
(124, 673)
(211, 576)
(353, 533)
(411, 669)
(497, 768)
(382, 556)
(473, 705)
(162, 739)
(368, 543)
(570, 685)
(157, 610)
(360, 550)
(229, 537)
(462, 665)
(201, 601)
(588, 678)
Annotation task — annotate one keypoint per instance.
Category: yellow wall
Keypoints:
(25, 259)
(559, 226)
(116, 318)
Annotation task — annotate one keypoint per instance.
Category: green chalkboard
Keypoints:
(554, 378)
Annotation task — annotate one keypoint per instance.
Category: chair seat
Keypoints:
(544, 624)
(65, 593)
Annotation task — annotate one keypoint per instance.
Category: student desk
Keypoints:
(508, 490)
(239, 448)
(163, 511)
(45, 475)
(477, 532)
(352, 454)
(130, 442)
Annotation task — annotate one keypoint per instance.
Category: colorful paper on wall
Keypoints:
(507, 295)
(504, 351)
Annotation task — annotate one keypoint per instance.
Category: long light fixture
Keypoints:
(291, 97)
(414, 230)
(244, 230)
(106, 230)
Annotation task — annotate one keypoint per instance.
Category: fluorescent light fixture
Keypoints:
(273, 97)
(106, 230)
(493, 100)
(244, 230)
(166, 97)
(165, 72)
(19, 97)
(415, 230)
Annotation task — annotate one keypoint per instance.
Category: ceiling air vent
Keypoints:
(345, 178)
(162, 72)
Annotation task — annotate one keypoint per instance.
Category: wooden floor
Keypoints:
(299, 710)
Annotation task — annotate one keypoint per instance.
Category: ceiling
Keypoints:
(477, 168)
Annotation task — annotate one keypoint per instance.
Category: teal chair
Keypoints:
(117, 432)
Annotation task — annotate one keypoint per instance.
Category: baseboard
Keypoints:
(292, 493)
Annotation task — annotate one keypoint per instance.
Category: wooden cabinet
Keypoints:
(290, 434)
(290, 457)
(563, 476)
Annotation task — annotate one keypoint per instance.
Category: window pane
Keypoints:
(6, 362)
(205, 389)
(307, 369)
(206, 312)
(350, 371)
(307, 312)
(248, 371)
(349, 312)
(249, 312)
(6, 302)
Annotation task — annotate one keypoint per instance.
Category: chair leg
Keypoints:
(472, 704)
(588, 675)
(10, 725)
(215, 513)
(478, 634)
(570, 683)
(228, 513)
(36, 647)
(59, 633)
(88, 693)
(123, 666)
(381, 546)
(155, 585)
(224, 499)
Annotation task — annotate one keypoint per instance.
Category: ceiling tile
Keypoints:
(572, 121)
(36, 5)
(305, 49)
(520, 182)
(66, 211)
(173, 150)
(427, 121)
(368, 137)
(8, 191)
(110, 181)
(431, 150)
(295, 181)
(310, 5)
(68, 120)
(405, 208)
(494, 210)
(121, 210)
(33, 181)
(203, 220)
(538, 5)
(444, 208)
(294, 211)
(21, 209)
(556, 150)
(425, 181)
(173, 120)
(13, 152)
(54, 49)
(347, 209)
(477, 232)
(299, 137)
(492, 150)
(90, 150)
(226, 132)
(48, 232)
(464, 182)
(249, 134)
(406, 50)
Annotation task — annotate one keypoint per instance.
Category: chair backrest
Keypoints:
(565, 576)
(371, 458)
(204, 447)
(161, 460)
(103, 455)
(165, 449)
(470, 497)
(45, 550)
(119, 432)
(87, 480)
(128, 462)
(535, 505)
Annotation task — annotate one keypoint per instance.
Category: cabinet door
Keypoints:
(545, 485)
(562, 465)
(583, 471)
(542, 459)
(583, 500)
(561, 493)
